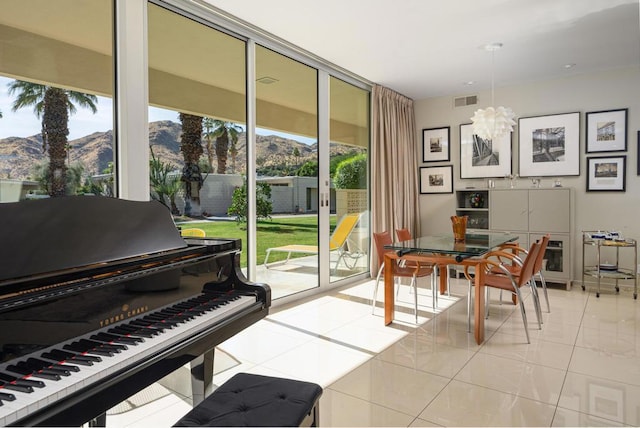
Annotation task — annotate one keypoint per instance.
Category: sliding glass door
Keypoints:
(348, 170)
(286, 173)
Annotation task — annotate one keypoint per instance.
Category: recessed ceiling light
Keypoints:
(491, 47)
(469, 83)
(569, 65)
(267, 80)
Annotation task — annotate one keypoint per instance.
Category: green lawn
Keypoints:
(276, 232)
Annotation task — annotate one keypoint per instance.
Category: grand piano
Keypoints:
(101, 297)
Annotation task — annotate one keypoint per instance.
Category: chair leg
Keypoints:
(375, 290)
(414, 285)
(487, 297)
(469, 303)
(536, 302)
(524, 313)
(544, 288)
(434, 287)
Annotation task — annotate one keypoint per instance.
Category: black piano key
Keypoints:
(67, 367)
(84, 350)
(114, 347)
(25, 371)
(135, 332)
(106, 337)
(6, 377)
(14, 387)
(45, 367)
(7, 397)
(59, 355)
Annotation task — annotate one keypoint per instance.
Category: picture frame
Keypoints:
(549, 145)
(606, 131)
(436, 179)
(606, 173)
(638, 152)
(435, 144)
(481, 158)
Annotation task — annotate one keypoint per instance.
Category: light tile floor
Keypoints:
(581, 369)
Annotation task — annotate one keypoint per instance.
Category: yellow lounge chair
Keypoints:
(193, 232)
(337, 242)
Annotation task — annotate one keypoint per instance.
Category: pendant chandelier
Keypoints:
(492, 123)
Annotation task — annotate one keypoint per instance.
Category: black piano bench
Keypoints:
(248, 400)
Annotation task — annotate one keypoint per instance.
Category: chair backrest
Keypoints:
(403, 234)
(543, 249)
(526, 272)
(193, 232)
(342, 231)
(381, 239)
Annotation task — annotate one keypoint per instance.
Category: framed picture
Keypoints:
(549, 145)
(606, 173)
(607, 131)
(435, 144)
(481, 158)
(436, 179)
(638, 164)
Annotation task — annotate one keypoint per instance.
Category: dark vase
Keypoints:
(476, 200)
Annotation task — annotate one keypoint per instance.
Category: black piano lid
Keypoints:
(53, 234)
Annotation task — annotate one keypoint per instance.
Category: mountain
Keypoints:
(95, 151)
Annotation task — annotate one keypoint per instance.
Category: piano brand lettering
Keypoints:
(126, 313)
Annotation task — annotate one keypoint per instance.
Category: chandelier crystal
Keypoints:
(492, 123)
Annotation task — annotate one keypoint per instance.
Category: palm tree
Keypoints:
(191, 148)
(208, 126)
(53, 105)
(225, 133)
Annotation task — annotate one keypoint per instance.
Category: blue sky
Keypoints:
(24, 123)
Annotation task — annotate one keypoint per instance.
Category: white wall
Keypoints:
(582, 93)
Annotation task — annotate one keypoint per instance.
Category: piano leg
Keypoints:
(202, 376)
(98, 421)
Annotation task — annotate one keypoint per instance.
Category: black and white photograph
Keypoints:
(606, 173)
(435, 144)
(436, 179)
(481, 158)
(549, 145)
(606, 131)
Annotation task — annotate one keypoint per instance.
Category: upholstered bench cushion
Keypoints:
(253, 401)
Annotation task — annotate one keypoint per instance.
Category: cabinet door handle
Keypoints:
(523, 212)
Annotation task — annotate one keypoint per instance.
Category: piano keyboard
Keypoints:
(51, 374)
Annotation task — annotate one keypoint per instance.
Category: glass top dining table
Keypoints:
(475, 244)
(442, 250)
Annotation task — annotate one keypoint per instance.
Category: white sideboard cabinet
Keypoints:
(530, 214)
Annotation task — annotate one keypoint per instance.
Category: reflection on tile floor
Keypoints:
(581, 369)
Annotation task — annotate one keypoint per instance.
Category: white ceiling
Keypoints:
(427, 48)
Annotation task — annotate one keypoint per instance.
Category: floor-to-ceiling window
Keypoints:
(56, 91)
(349, 159)
(286, 172)
(197, 110)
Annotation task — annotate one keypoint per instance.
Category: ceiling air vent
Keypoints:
(465, 101)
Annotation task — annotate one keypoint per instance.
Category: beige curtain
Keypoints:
(394, 177)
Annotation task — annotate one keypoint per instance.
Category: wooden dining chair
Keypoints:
(413, 271)
(498, 275)
(538, 268)
(405, 235)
